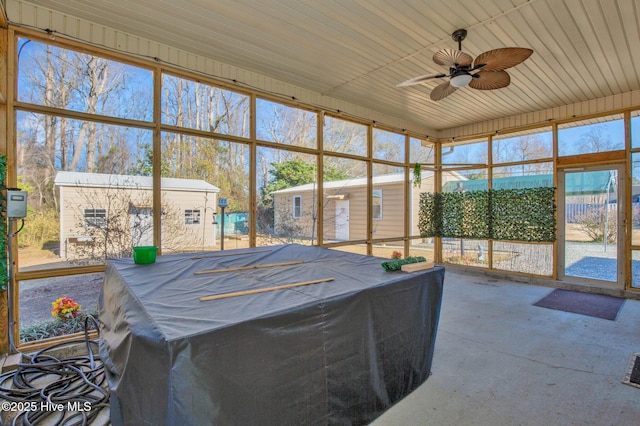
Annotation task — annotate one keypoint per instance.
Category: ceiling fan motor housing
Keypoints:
(459, 35)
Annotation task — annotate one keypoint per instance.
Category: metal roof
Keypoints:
(362, 181)
(129, 181)
(575, 183)
(345, 183)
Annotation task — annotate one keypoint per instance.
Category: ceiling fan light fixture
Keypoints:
(488, 68)
(461, 80)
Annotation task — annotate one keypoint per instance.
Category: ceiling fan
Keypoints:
(487, 72)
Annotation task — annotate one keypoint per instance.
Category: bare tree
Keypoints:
(66, 79)
(99, 83)
(288, 126)
(596, 140)
(596, 220)
(121, 218)
(344, 136)
(287, 228)
(208, 108)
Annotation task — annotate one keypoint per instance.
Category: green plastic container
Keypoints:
(143, 255)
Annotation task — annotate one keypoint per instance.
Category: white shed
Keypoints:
(104, 215)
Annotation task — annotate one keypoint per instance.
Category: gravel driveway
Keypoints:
(591, 260)
(36, 295)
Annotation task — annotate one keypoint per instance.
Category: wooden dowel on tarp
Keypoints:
(244, 268)
(229, 254)
(263, 290)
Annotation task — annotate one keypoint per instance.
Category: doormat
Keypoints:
(632, 377)
(594, 305)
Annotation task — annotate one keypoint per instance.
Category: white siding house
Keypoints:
(345, 206)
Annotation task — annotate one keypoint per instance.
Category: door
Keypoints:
(342, 220)
(141, 219)
(591, 225)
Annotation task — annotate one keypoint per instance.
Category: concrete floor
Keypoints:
(499, 360)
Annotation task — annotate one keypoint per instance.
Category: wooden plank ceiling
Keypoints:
(359, 50)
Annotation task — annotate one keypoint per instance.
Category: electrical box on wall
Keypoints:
(16, 203)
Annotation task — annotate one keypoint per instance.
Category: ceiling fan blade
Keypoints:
(488, 80)
(501, 59)
(421, 79)
(442, 91)
(451, 58)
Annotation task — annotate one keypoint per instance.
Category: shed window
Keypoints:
(192, 217)
(297, 206)
(377, 204)
(95, 218)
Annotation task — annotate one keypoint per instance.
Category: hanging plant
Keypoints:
(417, 175)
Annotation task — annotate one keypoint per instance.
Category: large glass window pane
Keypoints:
(82, 179)
(196, 173)
(422, 151)
(63, 78)
(388, 145)
(635, 129)
(389, 250)
(524, 146)
(233, 181)
(287, 197)
(194, 105)
(635, 268)
(469, 252)
(344, 199)
(526, 175)
(590, 136)
(635, 199)
(354, 248)
(591, 223)
(286, 125)
(421, 246)
(40, 320)
(388, 201)
(344, 136)
(463, 180)
(536, 259)
(467, 153)
(465, 252)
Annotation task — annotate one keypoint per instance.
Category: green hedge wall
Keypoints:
(502, 214)
(464, 214)
(523, 214)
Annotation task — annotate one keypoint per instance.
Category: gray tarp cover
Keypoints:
(339, 352)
